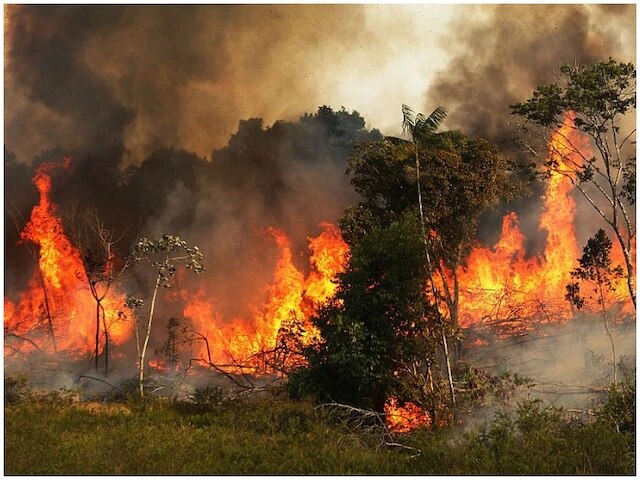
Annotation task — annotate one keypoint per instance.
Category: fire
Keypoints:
(291, 297)
(57, 311)
(405, 418)
(501, 284)
(328, 257)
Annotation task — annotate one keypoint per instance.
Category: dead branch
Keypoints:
(23, 339)
(369, 421)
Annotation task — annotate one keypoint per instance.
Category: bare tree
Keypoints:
(102, 266)
(163, 255)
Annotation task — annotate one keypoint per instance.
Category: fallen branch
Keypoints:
(369, 421)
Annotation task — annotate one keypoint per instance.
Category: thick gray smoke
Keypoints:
(500, 54)
(499, 61)
(145, 77)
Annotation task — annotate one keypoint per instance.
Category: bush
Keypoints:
(620, 406)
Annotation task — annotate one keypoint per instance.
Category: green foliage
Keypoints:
(460, 178)
(421, 126)
(57, 436)
(375, 323)
(619, 408)
(595, 266)
(597, 93)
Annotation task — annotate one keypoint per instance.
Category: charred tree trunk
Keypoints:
(106, 341)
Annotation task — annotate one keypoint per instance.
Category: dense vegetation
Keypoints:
(55, 435)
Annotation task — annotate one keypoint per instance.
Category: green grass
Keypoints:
(56, 436)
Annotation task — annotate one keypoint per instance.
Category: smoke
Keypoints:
(498, 61)
(500, 54)
(567, 365)
(144, 77)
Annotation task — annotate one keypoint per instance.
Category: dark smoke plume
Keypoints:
(146, 77)
(500, 61)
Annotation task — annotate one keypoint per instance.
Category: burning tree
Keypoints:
(163, 254)
(382, 334)
(57, 296)
(592, 99)
(378, 322)
(103, 268)
(459, 178)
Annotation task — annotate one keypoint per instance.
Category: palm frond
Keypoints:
(427, 126)
(408, 119)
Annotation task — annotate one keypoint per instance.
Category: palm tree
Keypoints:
(421, 129)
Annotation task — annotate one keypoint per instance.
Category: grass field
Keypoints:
(54, 435)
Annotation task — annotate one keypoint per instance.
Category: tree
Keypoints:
(163, 254)
(102, 266)
(459, 178)
(593, 99)
(596, 267)
(378, 322)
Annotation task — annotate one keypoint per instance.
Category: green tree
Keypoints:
(163, 255)
(459, 178)
(378, 322)
(597, 268)
(597, 97)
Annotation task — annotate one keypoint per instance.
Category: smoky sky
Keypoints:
(496, 64)
(146, 77)
(131, 79)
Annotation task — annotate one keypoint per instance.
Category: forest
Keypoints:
(449, 298)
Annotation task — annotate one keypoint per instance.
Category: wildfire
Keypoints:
(502, 284)
(292, 298)
(405, 418)
(499, 284)
(57, 311)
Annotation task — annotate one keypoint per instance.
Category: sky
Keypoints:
(151, 76)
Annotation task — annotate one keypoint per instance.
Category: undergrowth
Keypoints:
(55, 434)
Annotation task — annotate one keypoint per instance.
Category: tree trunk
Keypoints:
(97, 346)
(450, 377)
(630, 273)
(48, 310)
(143, 352)
(106, 342)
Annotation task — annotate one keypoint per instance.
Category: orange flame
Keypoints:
(500, 283)
(405, 418)
(58, 296)
(291, 297)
